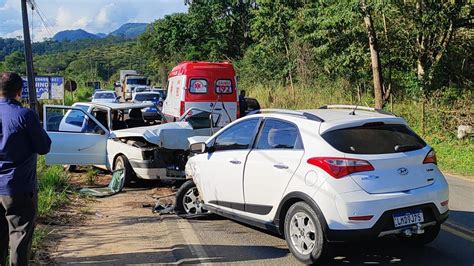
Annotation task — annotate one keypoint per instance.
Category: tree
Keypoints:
(15, 62)
(434, 24)
(374, 55)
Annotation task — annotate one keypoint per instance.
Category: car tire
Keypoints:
(122, 163)
(188, 203)
(304, 234)
(427, 237)
(70, 168)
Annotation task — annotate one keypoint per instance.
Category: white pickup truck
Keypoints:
(115, 135)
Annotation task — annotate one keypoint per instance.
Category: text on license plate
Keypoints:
(407, 218)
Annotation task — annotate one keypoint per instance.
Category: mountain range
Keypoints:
(127, 30)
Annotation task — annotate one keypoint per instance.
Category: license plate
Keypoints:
(407, 218)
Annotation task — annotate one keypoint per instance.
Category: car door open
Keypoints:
(77, 137)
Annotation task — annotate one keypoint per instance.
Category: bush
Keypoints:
(53, 182)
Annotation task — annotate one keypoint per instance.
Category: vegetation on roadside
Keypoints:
(304, 54)
(53, 184)
(439, 129)
(91, 176)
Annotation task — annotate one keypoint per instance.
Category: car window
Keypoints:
(136, 81)
(67, 120)
(104, 96)
(374, 138)
(277, 134)
(237, 137)
(224, 86)
(252, 104)
(198, 86)
(147, 97)
(101, 115)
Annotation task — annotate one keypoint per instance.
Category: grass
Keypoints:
(438, 129)
(53, 183)
(455, 157)
(91, 176)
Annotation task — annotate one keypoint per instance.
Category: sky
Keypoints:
(95, 16)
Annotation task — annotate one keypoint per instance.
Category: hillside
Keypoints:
(73, 35)
(130, 30)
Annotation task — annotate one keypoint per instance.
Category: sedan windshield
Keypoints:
(136, 81)
(147, 97)
(104, 96)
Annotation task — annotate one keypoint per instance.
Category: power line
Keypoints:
(43, 18)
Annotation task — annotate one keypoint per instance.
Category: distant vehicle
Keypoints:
(252, 105)
(101, 96)
(116, 136)
(334, 174)
(204, 85)
(140, 88)
(161, 91)
(149, 113)
(124, 73)
(129, 81)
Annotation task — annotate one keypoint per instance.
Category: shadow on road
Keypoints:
(182, 254)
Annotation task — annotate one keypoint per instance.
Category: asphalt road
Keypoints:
(218, 240)
(119, 231)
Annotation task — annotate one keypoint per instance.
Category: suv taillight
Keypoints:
(340, 167)
(430, 157)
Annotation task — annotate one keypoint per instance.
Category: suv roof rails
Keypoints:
(357, 107)
(288, 112)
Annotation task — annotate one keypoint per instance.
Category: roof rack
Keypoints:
(306, 115)
(357, 107)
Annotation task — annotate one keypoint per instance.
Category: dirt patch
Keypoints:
(112, 226)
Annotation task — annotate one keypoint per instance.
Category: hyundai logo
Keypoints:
(402, 171)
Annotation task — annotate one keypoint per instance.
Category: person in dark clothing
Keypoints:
(242, 103)
(21, 140)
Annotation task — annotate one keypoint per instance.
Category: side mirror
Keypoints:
(198, 148)
(118, 97)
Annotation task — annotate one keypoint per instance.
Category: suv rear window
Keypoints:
(374, 138)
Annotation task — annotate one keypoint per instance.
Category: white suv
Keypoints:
(333, 174)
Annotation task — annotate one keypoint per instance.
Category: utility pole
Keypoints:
(28, 58)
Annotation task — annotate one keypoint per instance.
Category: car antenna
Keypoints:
(354, 110)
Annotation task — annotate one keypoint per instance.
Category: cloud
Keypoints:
(91, 15)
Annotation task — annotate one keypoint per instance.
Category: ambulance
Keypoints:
(207, 86)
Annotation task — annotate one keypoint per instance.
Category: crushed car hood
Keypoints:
(170, 135)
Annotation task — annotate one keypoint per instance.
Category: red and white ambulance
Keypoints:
(206, 86)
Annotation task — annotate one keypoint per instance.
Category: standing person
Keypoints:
(242, 103)
(21, 140)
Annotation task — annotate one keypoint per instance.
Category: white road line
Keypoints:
(192, 240)
(457, 232)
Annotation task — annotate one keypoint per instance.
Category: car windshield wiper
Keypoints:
(402, 148)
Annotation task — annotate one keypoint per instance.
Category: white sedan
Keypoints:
(105, 97)
(116, 136)
(335, 174)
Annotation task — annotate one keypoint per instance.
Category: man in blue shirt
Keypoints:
(21, 140)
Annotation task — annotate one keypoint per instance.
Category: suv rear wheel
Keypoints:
(304, 234)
